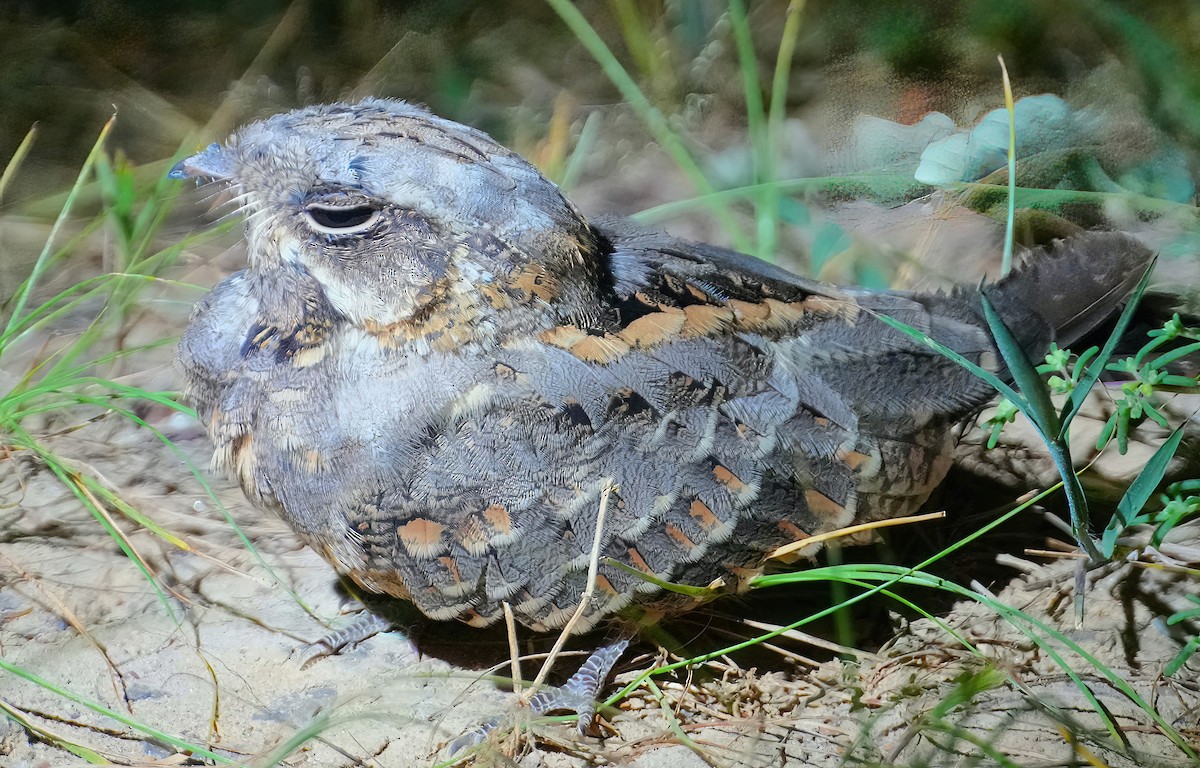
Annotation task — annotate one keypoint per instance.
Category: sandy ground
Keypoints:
(226, 674)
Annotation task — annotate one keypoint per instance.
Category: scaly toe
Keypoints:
(365, 626)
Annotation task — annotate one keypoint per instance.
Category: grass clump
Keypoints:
(61, 381)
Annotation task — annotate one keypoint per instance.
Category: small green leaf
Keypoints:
(1056, 358)
(1155, 415)
(1107, 432)
(1059, 385)
(1166, 359)
(1185, 653)
(1183, 486)
(1006, 413)
(1082, 361)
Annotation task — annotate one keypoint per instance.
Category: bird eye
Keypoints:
(341, 219)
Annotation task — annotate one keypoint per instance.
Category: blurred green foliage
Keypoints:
(169, 65)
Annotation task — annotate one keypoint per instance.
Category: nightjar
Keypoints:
(434, 365)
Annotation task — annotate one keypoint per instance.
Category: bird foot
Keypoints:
(577, 695)
(365, 626)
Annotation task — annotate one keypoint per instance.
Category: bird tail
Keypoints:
(1067, 289)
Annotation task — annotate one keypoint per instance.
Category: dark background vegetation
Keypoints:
(181, 72)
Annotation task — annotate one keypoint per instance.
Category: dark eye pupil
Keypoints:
(341, 218)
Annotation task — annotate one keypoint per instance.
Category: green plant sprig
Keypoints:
(1147, 379)
(1072, 376)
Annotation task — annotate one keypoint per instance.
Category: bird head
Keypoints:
(399, 215)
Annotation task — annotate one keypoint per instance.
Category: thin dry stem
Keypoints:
(796, 546)
(514, 654)
(584, 601)
(1017, 563)
(1074, 555)
(98, 506)
(813, 640)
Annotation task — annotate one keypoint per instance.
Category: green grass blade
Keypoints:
(875, 589)
(1096, 367)
(39, 266)
(887, 187)
(896, 188)
(80, 751)
(163, 399)
(54, 308)
(583, 148)
(639, 42)
(69, 479)
(134, 514)
(1139, 492)
(768, 207)
(997, 383)
(14, 162)
(1114, 678)
(1041, 409)
(760, 143)
(654, 120)
(162, 737)
(783, 69)
(1077, 503)
(1037, 631)
(700, 593)
(1006, 264)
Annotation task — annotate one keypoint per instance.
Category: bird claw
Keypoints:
(365, 626)
(473, 737)
(577, 695)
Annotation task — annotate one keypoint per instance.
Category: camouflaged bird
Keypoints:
(434, 365)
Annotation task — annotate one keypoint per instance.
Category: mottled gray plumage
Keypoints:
(434, 365)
